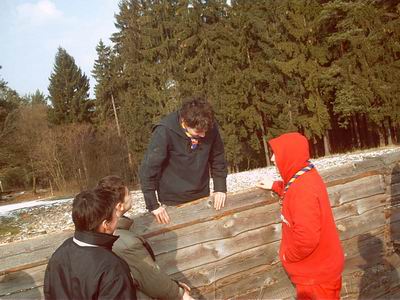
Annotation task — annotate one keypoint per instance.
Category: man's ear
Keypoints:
(119, 208)
(103, 227)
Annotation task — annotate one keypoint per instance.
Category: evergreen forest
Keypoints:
(328, 69)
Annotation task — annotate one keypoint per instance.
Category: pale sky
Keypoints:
(32, 30)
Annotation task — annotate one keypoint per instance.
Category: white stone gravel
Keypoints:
(37, 220)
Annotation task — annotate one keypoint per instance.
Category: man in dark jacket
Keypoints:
(151, 281)
(185, 148)
(84, 267)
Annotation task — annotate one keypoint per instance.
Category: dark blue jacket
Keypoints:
(85, 272)
(178, 173)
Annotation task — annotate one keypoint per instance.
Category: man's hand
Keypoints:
(161, 215)
(184, 286)
(186, 296)
(219, 200)
(265, 184)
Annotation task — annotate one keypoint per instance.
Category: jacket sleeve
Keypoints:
(117, 283)
(218, 164)
(278, 187)
(150, 169)
(305, 225)
(151, 280)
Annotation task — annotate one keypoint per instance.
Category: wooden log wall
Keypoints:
(232, 254)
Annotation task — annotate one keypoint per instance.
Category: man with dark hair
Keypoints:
(84, 266)
(152, 282)
(185, 148)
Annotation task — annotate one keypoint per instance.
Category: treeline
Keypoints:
(329, 69)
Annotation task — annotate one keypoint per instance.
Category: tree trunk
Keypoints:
(368, 142)
(115, 115)
(85, 169)
(389, 131)
(356, 132)
(381, 133)
(33, 178)
(327, 144)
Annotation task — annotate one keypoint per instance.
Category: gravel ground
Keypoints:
(29, 222)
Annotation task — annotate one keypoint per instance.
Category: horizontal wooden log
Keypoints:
(227, 226)
(371, 278)
(204, 275)
(26, 284)
(360, 206)
(205, 253)
(270, 279)
(30, 253)
(202, 211)
(357, 189)
(356, 225)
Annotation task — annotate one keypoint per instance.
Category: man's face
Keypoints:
(127, 205)
(196, 133)
(111, 225)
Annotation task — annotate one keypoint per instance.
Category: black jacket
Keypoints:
(86, 272)
(178, 173)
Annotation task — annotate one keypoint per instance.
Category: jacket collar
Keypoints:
(95, 238)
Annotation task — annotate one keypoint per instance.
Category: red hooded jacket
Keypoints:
(310, 248)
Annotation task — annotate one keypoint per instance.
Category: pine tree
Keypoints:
(104, 71)
(69, 91)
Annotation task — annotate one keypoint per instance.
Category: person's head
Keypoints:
(116, 184)
(290, 153)
(197, 116)
(94, 210)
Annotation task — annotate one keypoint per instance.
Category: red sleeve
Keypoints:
(306, 226)
(278, 187)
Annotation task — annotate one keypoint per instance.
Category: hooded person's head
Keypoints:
(291, 152)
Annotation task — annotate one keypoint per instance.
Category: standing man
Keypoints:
(185, 149)
(310, 249)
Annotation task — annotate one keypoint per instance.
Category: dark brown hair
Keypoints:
(197, 113)
(90, 208)
(113, 183)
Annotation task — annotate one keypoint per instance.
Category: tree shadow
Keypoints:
(394, 243)
(379, 275)
(19, 285)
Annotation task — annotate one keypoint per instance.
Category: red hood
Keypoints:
(291, 153)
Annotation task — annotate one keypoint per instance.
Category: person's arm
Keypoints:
(150, 168)
(218, 169)
(117, 283)
(269, 184)
(305, 226)
(150, 279)
(278, 187)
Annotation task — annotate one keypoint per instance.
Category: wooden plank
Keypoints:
(357, 189)
(207, 274)
(203, 211)
(372, 278)
(205, 253)
(356, 225)
(369, 240)
(225, 227)
(358, 207)
(351, 171)
(34, 293)
(18, 284)
(30, 253)
(270, 280)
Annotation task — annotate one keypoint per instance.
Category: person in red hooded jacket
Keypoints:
(310, 249)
